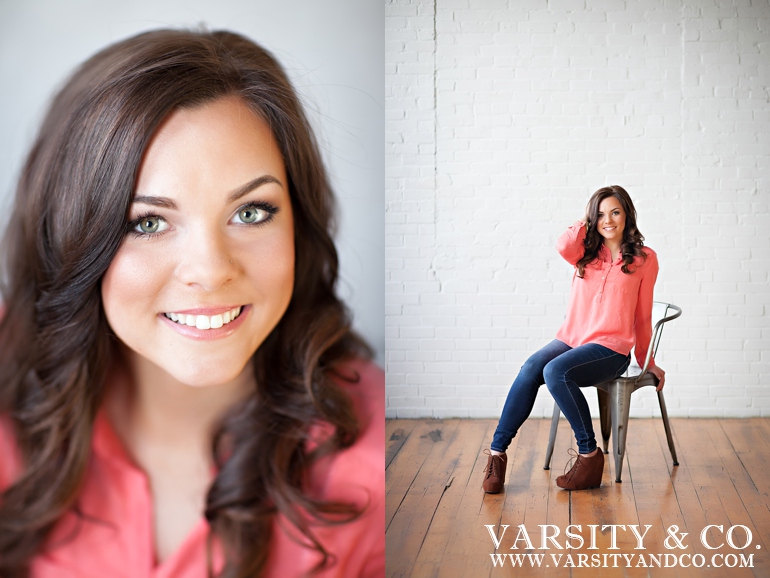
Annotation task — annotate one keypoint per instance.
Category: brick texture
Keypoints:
(502, 118)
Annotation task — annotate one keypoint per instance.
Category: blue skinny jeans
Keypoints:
(564, 370)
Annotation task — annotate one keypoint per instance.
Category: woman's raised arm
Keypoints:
(570, 244)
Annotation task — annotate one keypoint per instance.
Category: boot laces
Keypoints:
(493, 466)
(574, 457)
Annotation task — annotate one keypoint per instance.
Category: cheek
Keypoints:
(131, 278)
(277, 253)
(271, 268)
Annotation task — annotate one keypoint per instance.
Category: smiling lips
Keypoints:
(205, 321)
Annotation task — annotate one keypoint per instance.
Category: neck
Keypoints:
(614, 247)
(149, 406)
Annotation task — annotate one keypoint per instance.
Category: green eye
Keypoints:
(148, 225)
(249, 215)
(257, 213)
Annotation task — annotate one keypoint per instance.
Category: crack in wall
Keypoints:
(433, 272)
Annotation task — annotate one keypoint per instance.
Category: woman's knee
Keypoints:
(554, 374)
(531, 372)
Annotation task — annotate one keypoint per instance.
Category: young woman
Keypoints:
(180, 390)
(609, 313)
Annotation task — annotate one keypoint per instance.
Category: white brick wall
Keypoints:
(503, 117)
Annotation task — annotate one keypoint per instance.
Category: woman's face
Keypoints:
(611, 219)
(207, 268)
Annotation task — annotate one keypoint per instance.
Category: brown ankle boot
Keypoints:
(495, 473)
(585, 473)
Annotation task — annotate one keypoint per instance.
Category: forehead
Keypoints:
(609, 204)
(215, 147)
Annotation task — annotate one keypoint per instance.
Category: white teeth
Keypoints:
(205, 321)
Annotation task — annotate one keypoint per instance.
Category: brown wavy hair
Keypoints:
(633, 240)
(56, 348)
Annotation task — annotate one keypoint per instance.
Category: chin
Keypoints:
(205, 376)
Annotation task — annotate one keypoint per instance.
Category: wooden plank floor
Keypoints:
(437, 512)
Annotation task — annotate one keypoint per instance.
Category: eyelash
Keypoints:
(270, 209)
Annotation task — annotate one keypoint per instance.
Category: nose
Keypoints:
(205, 259)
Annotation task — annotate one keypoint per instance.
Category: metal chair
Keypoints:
(615, 397)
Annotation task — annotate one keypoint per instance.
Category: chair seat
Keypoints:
(630, 381)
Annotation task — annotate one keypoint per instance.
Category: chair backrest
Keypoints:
(660, 311)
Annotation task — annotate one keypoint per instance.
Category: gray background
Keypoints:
(332, 51)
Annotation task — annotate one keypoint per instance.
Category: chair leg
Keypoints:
(604, 417)
(620, 397)
(552, 436)
(667, 425)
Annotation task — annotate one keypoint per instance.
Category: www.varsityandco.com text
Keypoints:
(723, 547)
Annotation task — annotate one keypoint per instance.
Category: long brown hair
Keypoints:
(633, 240)
(67, 224)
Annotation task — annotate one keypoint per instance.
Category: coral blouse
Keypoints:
(608, 306)
(114, 535)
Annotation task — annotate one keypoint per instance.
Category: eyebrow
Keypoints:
(167, 203)
(251, 185)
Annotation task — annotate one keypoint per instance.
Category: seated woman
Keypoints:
(181, 393)
(609, 313)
